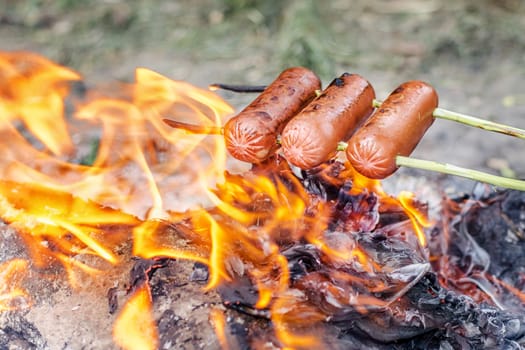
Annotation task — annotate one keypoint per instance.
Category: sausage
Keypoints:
(251, 136)
(394, 129)
(312, 136)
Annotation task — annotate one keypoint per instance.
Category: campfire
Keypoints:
(183, 246)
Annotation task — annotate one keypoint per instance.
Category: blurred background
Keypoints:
(472, 51)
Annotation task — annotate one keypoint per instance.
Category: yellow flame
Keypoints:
(418, 219)
(275, 209)
(135, 327)
(216, 261)
(344, 255)
(49, 203)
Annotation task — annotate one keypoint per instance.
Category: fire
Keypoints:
(66, 212)
(56, 225)
(257, 215)
(419, 220)
(142, 178)
(219, 323)
(135, 328)
(32, 89)
(12, 295)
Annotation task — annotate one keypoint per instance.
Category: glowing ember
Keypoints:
(471, 255)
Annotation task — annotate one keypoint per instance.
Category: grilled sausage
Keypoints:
(394, 129)
(312, 136)
(251, 136)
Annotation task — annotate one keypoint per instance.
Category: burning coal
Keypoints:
(322, 258)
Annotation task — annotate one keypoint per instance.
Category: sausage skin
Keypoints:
(311, 137)
(394, 129)
(251, 136)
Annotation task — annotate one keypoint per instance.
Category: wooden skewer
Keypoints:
(484, 124)
(450, 169)
(237, 88)
(196, 129)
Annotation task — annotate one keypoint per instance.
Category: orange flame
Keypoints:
(279, 314)
(12, 295)
(135, 327)
(218, 320)
(32, 89)
(56, 224)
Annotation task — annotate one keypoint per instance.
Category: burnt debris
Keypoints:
(485, 247)
(464, 292)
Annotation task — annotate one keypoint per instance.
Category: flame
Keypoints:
(283, 330)
(150, 183)
(418, 219)
(12, 295)
(273, 207)
(218, 319)
(135, 136)
(32, 89)
(135, 327)
(56, 225)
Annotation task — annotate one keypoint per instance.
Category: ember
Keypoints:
(316, 258)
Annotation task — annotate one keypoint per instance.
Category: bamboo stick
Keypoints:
(450, 169)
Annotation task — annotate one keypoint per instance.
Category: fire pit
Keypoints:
(121, 232)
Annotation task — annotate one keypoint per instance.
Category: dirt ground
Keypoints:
(472, 51)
